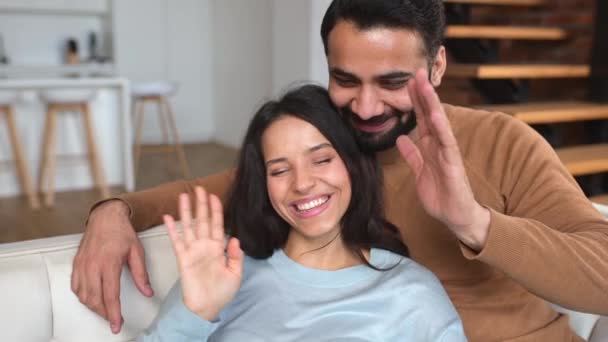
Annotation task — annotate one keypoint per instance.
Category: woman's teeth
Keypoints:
(312, 204)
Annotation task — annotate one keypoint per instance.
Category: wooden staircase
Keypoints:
(499, 2)
(504, 32)
(579, 160)
(527, 71)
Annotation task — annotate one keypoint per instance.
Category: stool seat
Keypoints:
(160, 88)
(7, 97)
(68, 95)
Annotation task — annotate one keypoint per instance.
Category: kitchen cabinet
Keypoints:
(169, 41)
(56, 6)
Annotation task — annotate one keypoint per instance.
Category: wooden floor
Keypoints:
(18, 222)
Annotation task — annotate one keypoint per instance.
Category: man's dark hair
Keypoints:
(425, 17)
(249, 213)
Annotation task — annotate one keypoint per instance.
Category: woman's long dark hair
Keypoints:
(249, 214)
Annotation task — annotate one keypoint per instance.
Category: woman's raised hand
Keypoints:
(210, 273)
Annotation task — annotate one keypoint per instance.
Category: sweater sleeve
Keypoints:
(147, 206)
(548, 237)
(175, 322)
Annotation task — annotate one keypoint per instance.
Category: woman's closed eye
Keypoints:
(323, 161)
(278, 172)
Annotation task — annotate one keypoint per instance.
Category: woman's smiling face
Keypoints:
(307, 181)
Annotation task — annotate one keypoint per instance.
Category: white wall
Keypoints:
(318, 62)
(40, 39)
(297, 46)
(291, 36)
(243, 59)
(169, 40)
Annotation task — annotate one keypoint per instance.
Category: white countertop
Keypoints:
(62, 82)
(60, 70)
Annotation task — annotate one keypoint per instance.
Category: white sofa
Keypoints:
(37, 304)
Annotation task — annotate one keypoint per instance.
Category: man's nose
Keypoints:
(367, 104)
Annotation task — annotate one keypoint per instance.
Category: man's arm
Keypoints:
(548, 238)
(146, 207)
(110, 241)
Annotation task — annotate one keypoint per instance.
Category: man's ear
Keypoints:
(439, 66)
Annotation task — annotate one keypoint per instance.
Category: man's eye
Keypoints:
(393, 85)
(346, 83)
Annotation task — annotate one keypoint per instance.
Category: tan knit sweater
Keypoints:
(545, 241)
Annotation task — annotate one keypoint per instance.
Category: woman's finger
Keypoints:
(202, 223)
(176, 240)
(185, 213)
(217, 219)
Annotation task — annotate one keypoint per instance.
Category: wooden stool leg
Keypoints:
(163, 121)
(46, 180)
(139, 119)
(94, 163)
(44, 158)
(181, 156)
(23, 171)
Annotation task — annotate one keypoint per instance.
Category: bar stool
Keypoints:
(68, 101)
(7, 101)
(157, 93)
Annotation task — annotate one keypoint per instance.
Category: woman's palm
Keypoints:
(210, 275)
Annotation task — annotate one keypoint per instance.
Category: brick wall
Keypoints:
(576, 16)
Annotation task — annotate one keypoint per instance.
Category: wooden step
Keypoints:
(504, 32)
(511, 71)
(499, 2)
(553, 112)
(585, 159)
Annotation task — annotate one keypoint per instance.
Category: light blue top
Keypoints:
(281, 300)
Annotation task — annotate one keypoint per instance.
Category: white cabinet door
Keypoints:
(34, 5)
(168, 40)
(61, 6)
(87, 6)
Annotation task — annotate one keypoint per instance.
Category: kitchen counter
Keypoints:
(112, 124)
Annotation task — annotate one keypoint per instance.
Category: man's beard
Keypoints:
(376, 142)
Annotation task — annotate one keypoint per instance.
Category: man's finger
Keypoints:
(411, 154)
(92, 295)
(75, 276)
(437, 119)
(421, 120)
(111, 296)
(137, 265)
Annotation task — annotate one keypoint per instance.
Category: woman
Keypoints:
(321, 263)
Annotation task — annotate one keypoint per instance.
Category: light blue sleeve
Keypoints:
(435, 317)
(175, 322)
(441, 312)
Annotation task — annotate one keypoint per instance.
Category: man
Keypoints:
(480, 198)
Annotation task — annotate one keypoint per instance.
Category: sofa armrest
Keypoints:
(35, 284)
